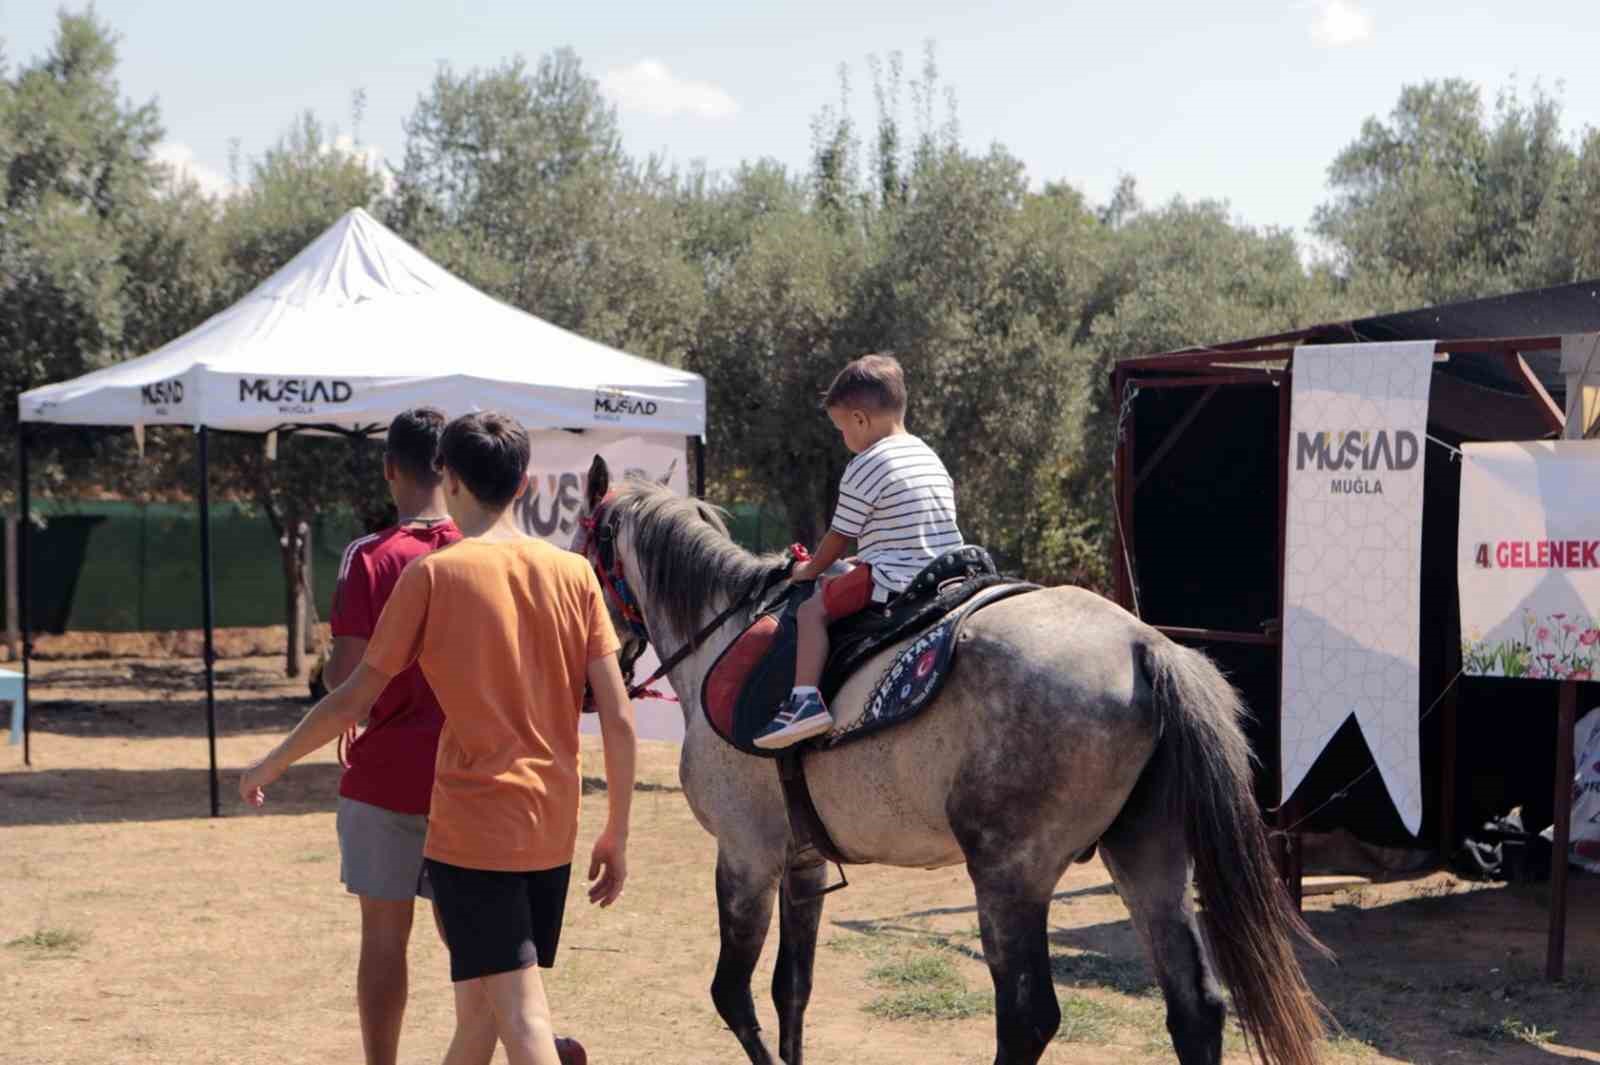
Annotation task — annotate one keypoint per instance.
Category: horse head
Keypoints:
(605, 535)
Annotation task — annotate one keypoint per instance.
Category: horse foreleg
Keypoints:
(797, 955)
(1015, 945)
(744, 912)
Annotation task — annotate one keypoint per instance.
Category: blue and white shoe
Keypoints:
(800, 717)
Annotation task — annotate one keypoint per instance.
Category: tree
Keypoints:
(297, 189)
(1454, 204)
(76, 178)
(515, 178)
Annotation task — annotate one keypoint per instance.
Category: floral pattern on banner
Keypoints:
(1558, 647)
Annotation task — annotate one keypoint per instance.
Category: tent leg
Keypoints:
(1556, 954)
(700, 467)
(206, 615)
(24, 524)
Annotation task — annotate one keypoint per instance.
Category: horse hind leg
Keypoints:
(798, 921)
(1147, 857)
(744, 913)
(1015, 925)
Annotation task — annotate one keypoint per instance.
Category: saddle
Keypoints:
(752, 676)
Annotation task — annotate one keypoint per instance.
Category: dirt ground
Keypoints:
(133, 928)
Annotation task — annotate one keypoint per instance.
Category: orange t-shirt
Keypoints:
(504, 632)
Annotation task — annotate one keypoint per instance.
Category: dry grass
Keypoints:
(136, 929)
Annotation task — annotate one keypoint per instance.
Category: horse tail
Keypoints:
(1251, 923)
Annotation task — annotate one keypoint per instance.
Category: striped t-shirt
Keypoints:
(896, 501)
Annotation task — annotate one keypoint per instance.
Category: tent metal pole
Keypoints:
(206, 604)
(700, 466)
(24, 504)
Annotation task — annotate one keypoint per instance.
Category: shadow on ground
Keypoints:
(1432, 974)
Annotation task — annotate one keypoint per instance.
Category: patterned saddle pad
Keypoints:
(744, 686)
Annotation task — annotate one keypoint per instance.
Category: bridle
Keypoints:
(599, 546)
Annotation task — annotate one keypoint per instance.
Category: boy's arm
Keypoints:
(608, 868)
(341, 708)
(354, 616)
(832, 549)
(347, 653)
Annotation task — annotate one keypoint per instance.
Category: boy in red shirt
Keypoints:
(383, 795)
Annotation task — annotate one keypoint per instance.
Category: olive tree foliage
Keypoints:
(102, 252)
(515, 179)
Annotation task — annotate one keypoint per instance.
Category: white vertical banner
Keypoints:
(1353, 560)
(1529, 560)
(558, 472)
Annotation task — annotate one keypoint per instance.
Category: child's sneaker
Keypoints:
(799, 718)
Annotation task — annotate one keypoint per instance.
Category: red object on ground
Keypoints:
(570, 1051)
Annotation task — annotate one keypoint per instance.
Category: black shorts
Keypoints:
(498, 922)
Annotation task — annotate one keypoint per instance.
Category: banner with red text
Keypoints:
(1529, 566)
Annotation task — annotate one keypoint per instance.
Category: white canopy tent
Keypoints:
(356, 328)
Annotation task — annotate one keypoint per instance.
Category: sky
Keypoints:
(1239, 100)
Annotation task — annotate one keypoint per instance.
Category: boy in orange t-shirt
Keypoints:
(507, 630)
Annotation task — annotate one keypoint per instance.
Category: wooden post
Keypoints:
(13, 610)
(1556, 955)
(308, 617)
(1287, 851)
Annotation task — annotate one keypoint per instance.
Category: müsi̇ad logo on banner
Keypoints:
(162, 396)
(295, 395)
(613, 404)
(1362, 454)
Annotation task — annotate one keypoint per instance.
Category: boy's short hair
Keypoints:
(872, 382)
(489, 452)
(413, 442)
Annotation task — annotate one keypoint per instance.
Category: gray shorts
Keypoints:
(380, 852)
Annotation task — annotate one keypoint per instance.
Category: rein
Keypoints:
(600, 549)
(777, 576)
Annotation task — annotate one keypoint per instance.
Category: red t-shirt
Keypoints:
(391, 762)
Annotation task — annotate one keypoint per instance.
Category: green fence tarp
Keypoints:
(126, 567)
(129, 567)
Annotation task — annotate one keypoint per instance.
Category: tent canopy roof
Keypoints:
(360, 326)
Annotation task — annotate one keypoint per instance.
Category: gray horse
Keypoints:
(1065, 722)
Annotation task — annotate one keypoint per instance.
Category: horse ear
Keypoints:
(599, 481)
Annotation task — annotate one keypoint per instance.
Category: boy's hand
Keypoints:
(254, 780)
(608, 868)
(805, 571)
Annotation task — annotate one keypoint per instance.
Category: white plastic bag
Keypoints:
(1584, 848)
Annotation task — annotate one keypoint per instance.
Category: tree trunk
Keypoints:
(294, 603)
(308, 593)
(13, 611)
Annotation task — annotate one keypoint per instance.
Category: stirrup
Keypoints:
(809, 858)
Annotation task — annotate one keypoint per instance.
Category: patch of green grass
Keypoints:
(1086, 1020)
(51, 941)
(1509, 1030)
(914, 970)
(925, 985)
(311, 857)
(931, 1004)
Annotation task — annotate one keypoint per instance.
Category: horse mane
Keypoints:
(687, 556)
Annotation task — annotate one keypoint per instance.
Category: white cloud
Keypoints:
(181, 163)
(650, 87)
(1339, 23)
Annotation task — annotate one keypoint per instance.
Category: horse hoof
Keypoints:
(571, 1052)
